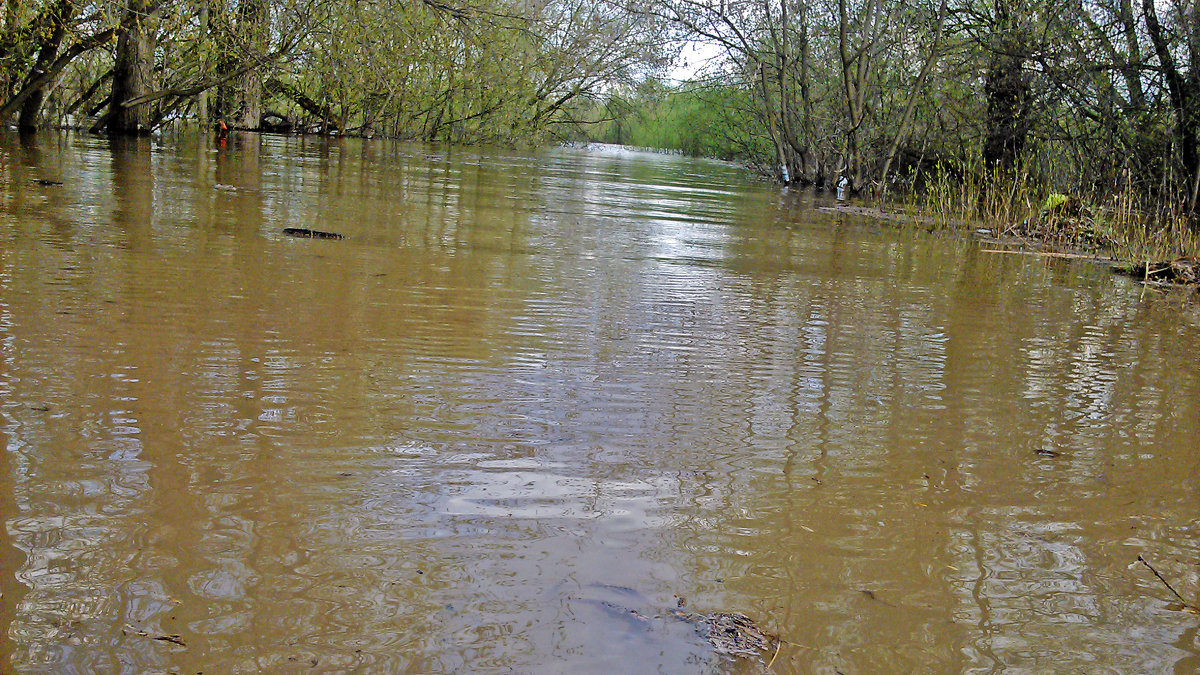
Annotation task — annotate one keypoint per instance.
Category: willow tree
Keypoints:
(232, 47)
(483, 70)
(837, 82)
(39, 41)
(59, 18)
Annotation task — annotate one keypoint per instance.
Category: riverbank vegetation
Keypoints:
(972, 109)
(458, 71)
(983, 108)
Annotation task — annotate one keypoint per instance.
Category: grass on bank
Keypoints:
(1118, 224)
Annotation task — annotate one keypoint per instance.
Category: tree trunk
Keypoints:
(202, 101)
(1007, 90)
(38, 80)
(911, 105)
(1185, 103)
(133, 73)
(856, 69)
(47, 54)
(246, 112)
(776, 139)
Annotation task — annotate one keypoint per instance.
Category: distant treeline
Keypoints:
(712, 121)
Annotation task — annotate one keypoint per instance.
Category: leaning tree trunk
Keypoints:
(914, 92)
(133, 73)
(47, 54)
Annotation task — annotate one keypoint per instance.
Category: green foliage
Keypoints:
(1055, 199)
(709, 122)
(450, 70)
(1124, 222)
(469, 72)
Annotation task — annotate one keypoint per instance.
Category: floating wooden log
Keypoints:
(306, 233)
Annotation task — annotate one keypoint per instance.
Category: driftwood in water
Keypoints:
(310, 234)
(1044, 254)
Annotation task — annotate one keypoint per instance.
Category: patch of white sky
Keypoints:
(695, 58)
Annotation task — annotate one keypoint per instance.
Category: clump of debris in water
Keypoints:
(729, 633)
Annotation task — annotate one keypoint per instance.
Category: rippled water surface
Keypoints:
(532, 400)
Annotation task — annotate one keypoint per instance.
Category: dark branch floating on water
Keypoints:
(47, 182)
(306, 233)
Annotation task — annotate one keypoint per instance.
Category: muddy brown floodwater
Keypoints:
(529, 399)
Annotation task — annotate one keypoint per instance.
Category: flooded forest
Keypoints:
(534, 336)
(1098, 98)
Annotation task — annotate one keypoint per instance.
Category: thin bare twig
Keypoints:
(1166, 583)
(778, 646)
